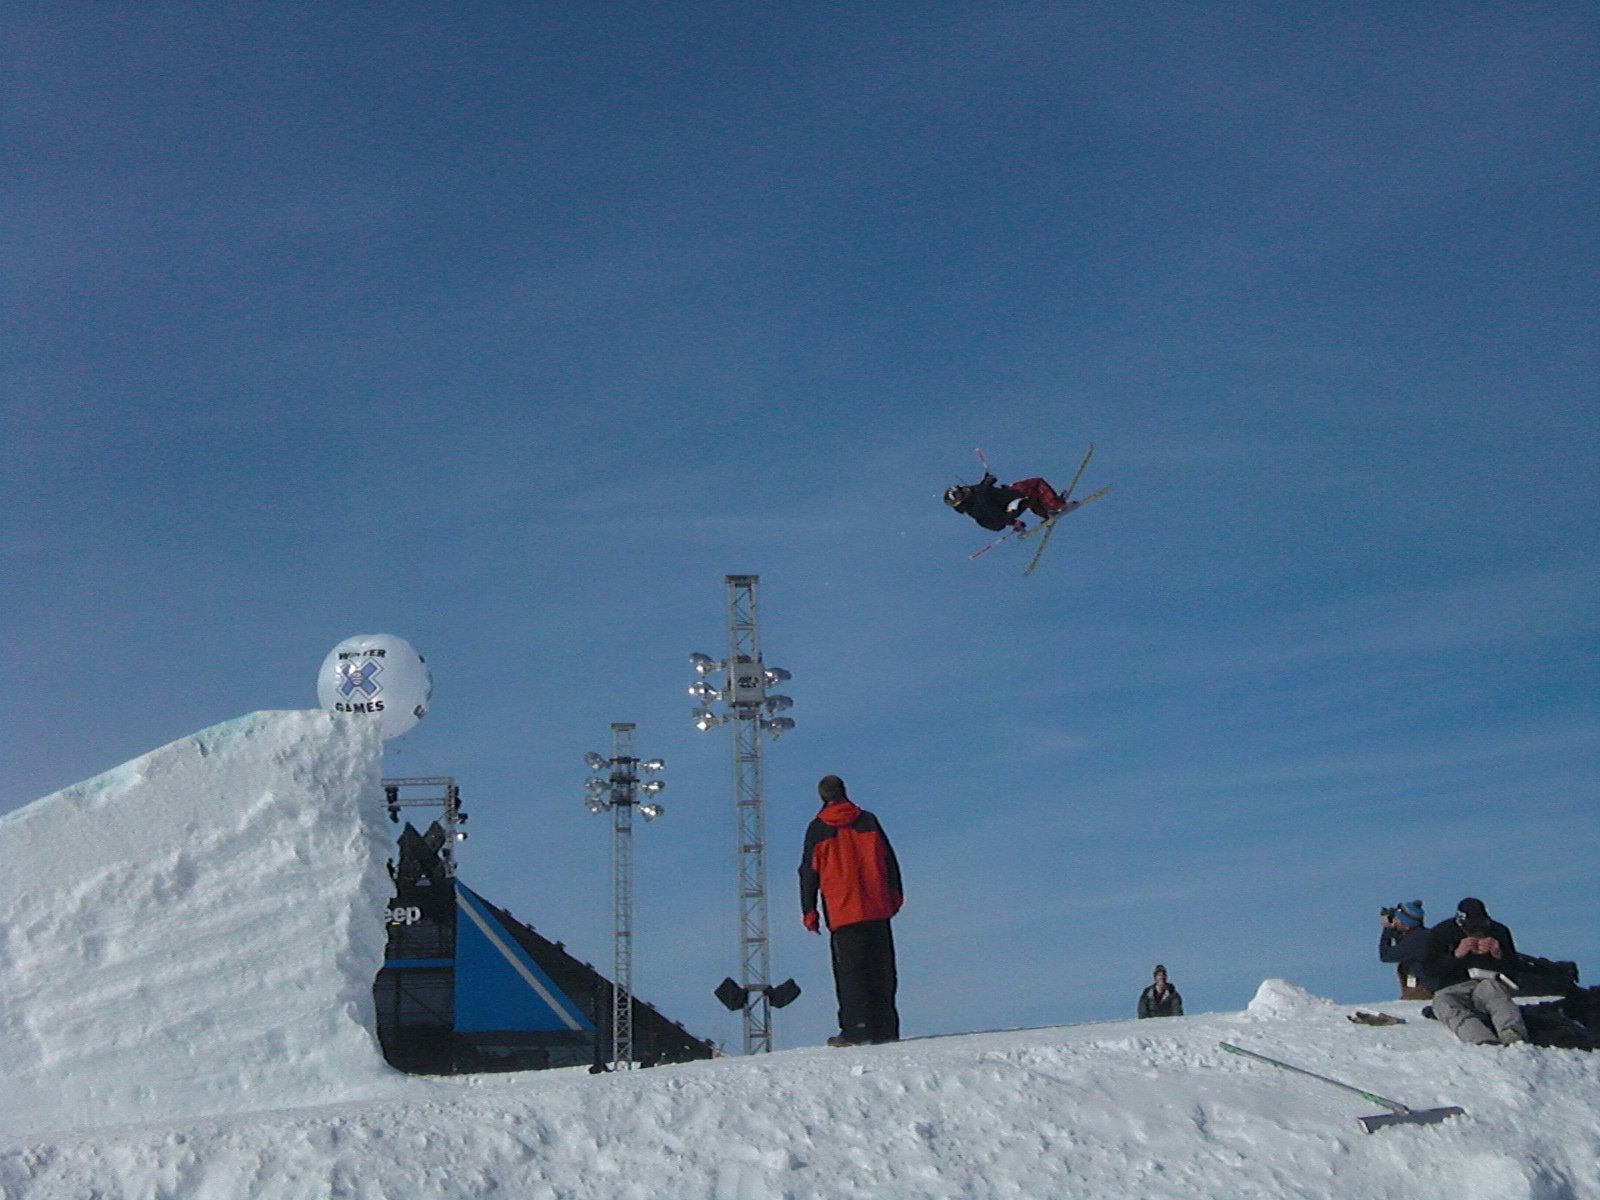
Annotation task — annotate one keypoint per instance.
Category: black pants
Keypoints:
(865, 980)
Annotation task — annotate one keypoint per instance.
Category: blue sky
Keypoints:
(512, 330)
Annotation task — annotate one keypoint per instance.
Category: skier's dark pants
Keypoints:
(864, 978)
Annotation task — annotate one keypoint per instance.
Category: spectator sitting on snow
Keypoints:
(1160, 999)
(1404, 942)
(1468, 960)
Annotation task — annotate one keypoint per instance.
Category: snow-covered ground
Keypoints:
(1125, 1109)
(185, 1007)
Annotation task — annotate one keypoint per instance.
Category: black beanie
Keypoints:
(1472, 909)
(830, 788)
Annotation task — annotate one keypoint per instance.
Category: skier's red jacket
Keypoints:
(848, 858)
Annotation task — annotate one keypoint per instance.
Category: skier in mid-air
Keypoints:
(1000, 506)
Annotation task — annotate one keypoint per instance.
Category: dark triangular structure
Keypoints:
(467, 987)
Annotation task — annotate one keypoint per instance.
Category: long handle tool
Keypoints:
(1399, 1114)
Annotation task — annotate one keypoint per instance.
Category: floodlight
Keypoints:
(777, 726)
(703, 663)
(783, 993)
(703, 691)
(730, 994)
(777, 675)
(594, 762)
(595, 784)
(651, 788)
(596, 805)
(777, 703)
(651, 765)
(651, 811)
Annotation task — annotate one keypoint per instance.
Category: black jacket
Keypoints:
(1441, 968)
(986, 502)
(1171, 1005)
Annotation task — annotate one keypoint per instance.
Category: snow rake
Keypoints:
(1399, 1114)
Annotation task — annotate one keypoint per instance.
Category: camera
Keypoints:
(1388, 912)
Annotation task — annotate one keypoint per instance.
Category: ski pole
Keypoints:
(991, 545)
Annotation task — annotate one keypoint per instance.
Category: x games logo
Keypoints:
(357, 677)
(358, 686)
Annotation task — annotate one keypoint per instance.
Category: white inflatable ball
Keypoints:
(380, 674)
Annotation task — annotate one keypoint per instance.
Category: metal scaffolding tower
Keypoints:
(618, 790)
(752, 711)
(441, 792)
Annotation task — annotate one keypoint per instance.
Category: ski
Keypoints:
(1072, 506)
(1067, 495)
(1049, 526)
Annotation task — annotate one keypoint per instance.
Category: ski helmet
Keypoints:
(954, 496)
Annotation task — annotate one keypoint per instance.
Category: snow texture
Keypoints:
(196, 932)
(185, 984)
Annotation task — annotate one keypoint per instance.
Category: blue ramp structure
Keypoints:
(498, 986)
(466, 987)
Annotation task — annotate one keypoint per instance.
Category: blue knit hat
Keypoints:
(1410, 911)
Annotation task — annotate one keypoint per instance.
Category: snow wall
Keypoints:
(197, 931)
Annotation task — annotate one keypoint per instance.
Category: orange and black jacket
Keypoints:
(849, 860)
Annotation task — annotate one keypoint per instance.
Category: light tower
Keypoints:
(618, 791)
(741, 687)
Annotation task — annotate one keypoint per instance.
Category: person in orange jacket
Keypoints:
(850, 866)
